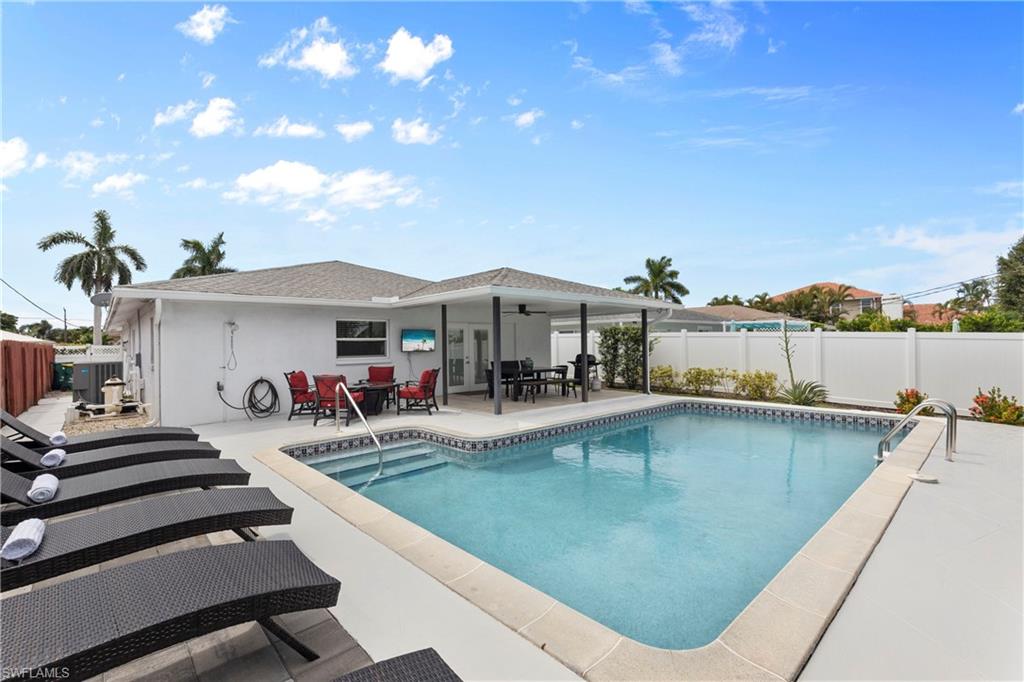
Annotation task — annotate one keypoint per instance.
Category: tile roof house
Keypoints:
(862, 299)
(188, 336)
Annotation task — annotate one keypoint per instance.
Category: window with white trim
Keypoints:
(361, 338)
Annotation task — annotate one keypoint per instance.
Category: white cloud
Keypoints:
(200, 183)
(1013, 189)
(207, 78)
(666, 58)
(294, 185)
(282, 127)
(1019, 109)
(614, 79)
(174, 113)
(13, 156)
(638, 7)
(320, 216)
(526, 119)
(205, 25)
(408, 58)
(218, 117)
(41, 161)
(354, 131)
(576, 124)
(416, 131)
(79, 164)
(120, 77)
(716, 25)
(768, 94)
(96, 122)
(307, 49)
(121, 184)
(774, 47)
(514, 100)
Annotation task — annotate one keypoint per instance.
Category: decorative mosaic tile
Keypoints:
(458, 444)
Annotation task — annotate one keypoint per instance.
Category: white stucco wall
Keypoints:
(272, 339)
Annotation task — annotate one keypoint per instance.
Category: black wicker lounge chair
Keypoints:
(91, 624)
(80, 541)
(419, 666)
(106, 487)
(37, 439)
(112, 457)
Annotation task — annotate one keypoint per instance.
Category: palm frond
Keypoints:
(61, 238)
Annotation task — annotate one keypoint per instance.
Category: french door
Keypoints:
(469, 355)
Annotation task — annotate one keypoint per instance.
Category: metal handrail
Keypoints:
(944, 406)
(337, 426)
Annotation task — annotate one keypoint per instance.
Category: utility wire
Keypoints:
(947, 287)
(34, 304)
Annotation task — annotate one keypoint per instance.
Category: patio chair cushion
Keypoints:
(414, 392)
(426, 378)
(380, 374)
(298, 384)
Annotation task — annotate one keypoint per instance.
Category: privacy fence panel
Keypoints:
(859, 368)
(26, 374)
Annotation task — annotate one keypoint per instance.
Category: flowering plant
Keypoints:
(908, 399)
(997, 408)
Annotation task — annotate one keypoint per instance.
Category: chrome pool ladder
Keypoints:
(337, 427)
(943, 406)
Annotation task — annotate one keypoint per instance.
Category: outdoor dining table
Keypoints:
(374, 394)
(522, 373)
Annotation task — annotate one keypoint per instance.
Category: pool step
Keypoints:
(349, 463)
(394, 469)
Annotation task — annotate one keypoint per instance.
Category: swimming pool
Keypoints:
(662, 529)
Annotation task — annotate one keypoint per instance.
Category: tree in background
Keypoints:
(8, 322)
(973, 296)
(203, 259)
(1010, 278)
(762, 301)
(726, 300)
(95, 267)
(660, 281)
(41, 330)
(829, 303)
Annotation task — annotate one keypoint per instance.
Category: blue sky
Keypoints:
(760, 145)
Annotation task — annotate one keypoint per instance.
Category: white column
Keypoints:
(816, 357)
(911, 358)
(744, 350)
(684, 359)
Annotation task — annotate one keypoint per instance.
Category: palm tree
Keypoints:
(661, 281)
(97, 265)
(830, 303)
(726, 300)
(762, 301)
(203, 259)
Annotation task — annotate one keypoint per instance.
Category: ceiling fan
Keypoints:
(521, 309)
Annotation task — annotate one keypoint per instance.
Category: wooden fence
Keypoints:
(26, 374)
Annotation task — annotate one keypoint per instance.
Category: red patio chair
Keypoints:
(303, 398)
(382, 375)
(325, 385)
(421, 394)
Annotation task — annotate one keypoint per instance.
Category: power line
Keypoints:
(34, 304)
(947, 287)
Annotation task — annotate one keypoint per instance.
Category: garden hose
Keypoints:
(259, 400)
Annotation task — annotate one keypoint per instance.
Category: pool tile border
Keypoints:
(465, 444)
(772, 638)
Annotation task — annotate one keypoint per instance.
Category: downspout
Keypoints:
(158, 311)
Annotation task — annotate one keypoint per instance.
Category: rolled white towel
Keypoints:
(58, 438)
(24, 539)
(53, 458)
(44, 487)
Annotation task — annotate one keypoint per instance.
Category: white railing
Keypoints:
(944, 407)
(82, 353)
(352, 405)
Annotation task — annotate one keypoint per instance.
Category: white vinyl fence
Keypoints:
(857, 368)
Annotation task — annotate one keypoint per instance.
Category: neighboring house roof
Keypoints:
(22, 338)
(515, 279)
(854, 291)
(329, 279)
(740, 313)
(709, 314)
(923, 313)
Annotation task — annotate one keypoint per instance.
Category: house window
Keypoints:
(867, 304)
(362, 338)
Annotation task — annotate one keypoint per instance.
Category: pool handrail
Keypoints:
(355, 407)
(944, 406)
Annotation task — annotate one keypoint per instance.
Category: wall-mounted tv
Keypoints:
(414, 340)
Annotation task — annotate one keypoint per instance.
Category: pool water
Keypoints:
(662, 530)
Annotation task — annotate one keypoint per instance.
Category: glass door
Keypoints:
(469, 357)
(457, 357)
(481, 356)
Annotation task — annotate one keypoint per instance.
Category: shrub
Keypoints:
(804, 392)
(997, 408)
(699, 381)
(631, 349)
(758, 385)
(908, 399)
(726, 379)
(663, 378)
(609, 346)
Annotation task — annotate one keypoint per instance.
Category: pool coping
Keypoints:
(772, 637)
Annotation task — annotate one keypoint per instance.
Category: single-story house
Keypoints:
(184, 337)
(709, 318)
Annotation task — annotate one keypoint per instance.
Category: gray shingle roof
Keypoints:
(740, 313)
(342, 281)
(516, 279)
(331, 280)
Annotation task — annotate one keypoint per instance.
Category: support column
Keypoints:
(444, 354)
(496, 351)
(645, 339)
(584, 364)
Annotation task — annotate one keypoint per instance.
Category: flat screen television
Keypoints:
(414, 340)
